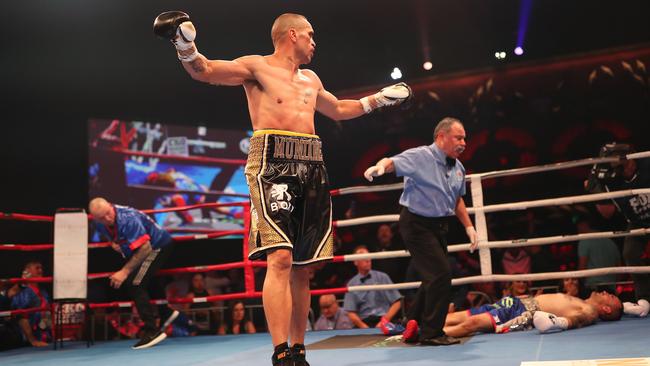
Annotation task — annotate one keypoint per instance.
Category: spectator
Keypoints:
(542, 261)
(482, 293)
(236, 320)
(178, 287)
(597, 253)
(216, 282)
(395, 268)
(517, 289)
(331, 315)
(572, 286)
(36, 327)
(367, 308)
(202, 319)
(515, 260)
(10, 334)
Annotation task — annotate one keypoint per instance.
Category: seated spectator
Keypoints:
(572, 286)
(515, 260)
(131, 328)
(331, 315)
(236, 320)
(36, 327)
(178, 287)
(10, 334)
(368, 308)
(395, 268)
(482, 293)
(216, 283)
(597, 253)
(542, 261)
(201, 319)
(517, 289)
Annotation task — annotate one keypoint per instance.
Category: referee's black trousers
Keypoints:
(426, 240)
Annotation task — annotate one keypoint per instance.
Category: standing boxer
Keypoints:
(290, 214)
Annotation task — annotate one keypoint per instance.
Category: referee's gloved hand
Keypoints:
(473, 238)
(374, 171)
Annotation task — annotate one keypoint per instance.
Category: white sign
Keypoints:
(70, 255)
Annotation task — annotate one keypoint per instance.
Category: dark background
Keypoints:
(63, 62)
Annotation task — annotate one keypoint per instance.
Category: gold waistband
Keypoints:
(283, 132)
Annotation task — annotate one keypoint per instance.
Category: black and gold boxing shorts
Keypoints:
(290, 200)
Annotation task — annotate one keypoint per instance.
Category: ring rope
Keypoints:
(174, 190)
(247, 264)
(202, 159)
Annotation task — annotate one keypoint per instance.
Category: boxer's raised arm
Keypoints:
(177, 27)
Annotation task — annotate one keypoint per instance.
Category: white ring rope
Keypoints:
(485, 245)
(545, 167)
(559, 201)
(507, 278)
(366, 220)
(506, 243)
(506, 206)
(367, 189)
(504, 173)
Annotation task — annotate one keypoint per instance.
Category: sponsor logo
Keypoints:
(281, 198)
(293, 148)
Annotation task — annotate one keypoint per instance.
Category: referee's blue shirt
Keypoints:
(431, 185)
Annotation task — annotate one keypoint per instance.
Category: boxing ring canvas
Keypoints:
(625, 341)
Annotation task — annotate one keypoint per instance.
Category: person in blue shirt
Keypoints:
(368, 309)
(332, 316)
(36, 327)
(434, 183)
(145, 246)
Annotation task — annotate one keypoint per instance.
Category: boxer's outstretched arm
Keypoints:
(177, 27)
(220, 72)
(336, 109)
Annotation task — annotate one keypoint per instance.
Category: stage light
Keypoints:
(396, 74)
(519, 51)
(427, 65)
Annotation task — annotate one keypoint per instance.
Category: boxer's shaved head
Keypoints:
(283, 23)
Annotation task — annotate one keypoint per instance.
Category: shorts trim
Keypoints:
(268, 219)
(283, 132)
(311, 261)
(326, 236)
(257, 251)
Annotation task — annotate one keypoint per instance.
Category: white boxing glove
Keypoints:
(184, 42)
(390, 95)
(473, 238)
(177, 27)
(547, 322)
(640, 309)
(374, 171)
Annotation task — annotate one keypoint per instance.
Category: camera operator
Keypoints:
(622, 175)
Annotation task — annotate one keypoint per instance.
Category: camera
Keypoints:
(608, 174)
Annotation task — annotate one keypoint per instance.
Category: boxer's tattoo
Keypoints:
(188, 52)
(198, 65)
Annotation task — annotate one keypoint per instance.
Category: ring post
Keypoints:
(481, 227)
